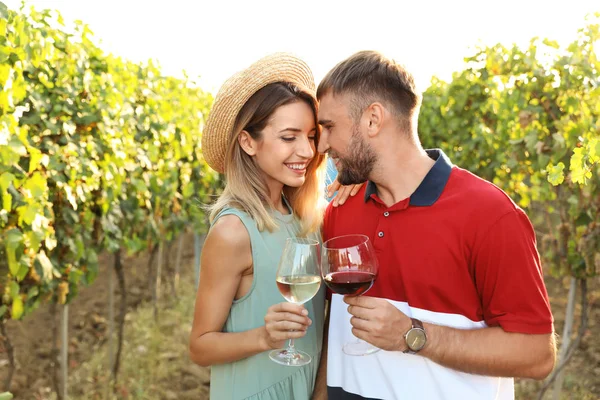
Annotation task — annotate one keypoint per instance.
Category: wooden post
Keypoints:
(566, 336)
(178, 261)
(111, 331)
(118, 269)
(111, 319)
(64, 351)
(10, 354)
(156, 292)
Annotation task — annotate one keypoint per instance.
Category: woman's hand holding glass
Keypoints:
(298, 280)
(285, 321)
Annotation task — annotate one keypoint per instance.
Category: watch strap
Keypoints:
(417, 324)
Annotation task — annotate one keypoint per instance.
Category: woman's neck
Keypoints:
(276, 198)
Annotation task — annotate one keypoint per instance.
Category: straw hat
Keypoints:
(237, 90)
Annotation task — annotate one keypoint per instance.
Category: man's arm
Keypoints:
(320, 390)
(508, 276)
(491, 351)
(487, 351)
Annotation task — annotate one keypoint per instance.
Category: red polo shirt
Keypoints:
(459, 252)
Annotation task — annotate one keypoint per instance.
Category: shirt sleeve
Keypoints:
(509, 277)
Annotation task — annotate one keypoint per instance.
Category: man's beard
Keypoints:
(356, 167)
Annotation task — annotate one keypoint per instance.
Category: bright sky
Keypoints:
(213, 39)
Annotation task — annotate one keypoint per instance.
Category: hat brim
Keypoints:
(237, 90)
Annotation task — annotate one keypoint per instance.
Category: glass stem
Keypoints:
(291, 349)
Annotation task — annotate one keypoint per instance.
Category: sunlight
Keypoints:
(208, 40)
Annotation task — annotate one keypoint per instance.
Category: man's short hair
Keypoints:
(369, 77)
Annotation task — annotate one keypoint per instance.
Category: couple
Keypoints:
(458, 261)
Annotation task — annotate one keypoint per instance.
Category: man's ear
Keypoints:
(248, 144)
(374, 116)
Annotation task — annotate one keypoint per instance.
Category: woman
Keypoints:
(262, 132)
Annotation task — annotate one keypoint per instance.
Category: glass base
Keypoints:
(359, 348)
(296, 358)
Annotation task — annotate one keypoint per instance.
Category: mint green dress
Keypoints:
(258, 377)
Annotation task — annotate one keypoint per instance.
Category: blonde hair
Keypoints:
(245, 187)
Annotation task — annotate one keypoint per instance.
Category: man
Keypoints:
(459, 306)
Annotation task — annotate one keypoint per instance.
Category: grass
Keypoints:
(154, 362)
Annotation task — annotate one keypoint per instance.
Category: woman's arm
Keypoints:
(320, 390)
(226, 255)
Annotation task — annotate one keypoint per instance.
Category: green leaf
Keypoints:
(6, 201)
(71, 197)
(188, 190)
(559, 139)
(17, 146)
(46, 264)
(88, 119)
(556, 175)
(6, 179)
(35, 157)
(75, 275)
(36, 185)
(531, 140)
(22, 273)
(7, 156)
(17, 308)
(33, 239)
(50, 242)
(551, 43)
(4, 14)
(577, 157)
(33, 292)
(27, 213)
(580, 175)
(6, 395)
(14, 289)
(14, 238)
(584, 219)
(594, 150)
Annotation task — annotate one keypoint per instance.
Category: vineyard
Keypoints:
(529, 121)
(98, 154)
(101, 167)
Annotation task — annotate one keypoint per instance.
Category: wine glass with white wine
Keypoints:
(298, 281)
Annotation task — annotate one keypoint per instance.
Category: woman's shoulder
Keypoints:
(227, 244)
(229, 230)
(229, 210)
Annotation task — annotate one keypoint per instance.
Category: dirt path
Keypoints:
(582, 375)
(88, 329)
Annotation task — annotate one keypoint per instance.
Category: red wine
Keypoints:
(352, 283)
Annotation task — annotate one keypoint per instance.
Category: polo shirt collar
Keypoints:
(433, 184)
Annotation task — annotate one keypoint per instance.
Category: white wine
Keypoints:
(300, 288)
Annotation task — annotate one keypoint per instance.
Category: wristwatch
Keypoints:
(416, 338)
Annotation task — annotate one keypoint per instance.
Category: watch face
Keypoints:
(415, 339)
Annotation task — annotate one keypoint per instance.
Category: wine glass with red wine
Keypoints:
(349, 268)
(298, 281)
